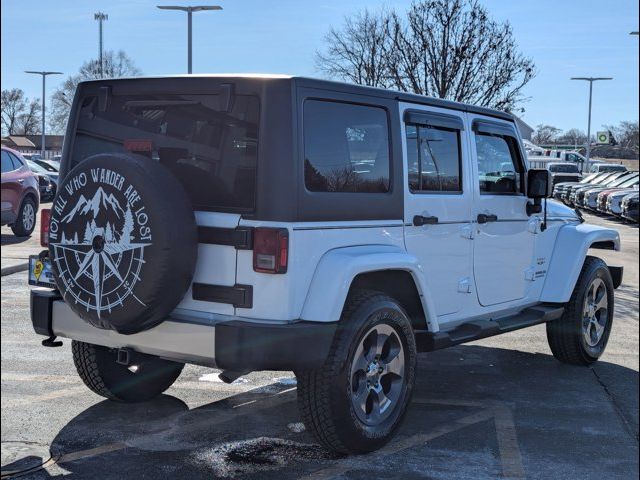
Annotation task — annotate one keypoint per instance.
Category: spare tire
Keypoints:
(123, 241)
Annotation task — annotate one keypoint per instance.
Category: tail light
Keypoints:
(270, 250)
(45, 219)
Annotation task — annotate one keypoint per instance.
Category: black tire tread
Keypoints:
(84, 358)
(92, 368)
(18, 227)
(562, 334)
(314, 401)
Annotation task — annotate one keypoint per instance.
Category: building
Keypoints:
(33, 144)
(18, 142)
(526, 131)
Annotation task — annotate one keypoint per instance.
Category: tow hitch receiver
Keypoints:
(123, 357)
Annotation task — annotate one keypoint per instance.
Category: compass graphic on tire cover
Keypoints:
(98, 237)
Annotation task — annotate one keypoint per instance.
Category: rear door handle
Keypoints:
(21, 180)
(419, 220)
(486, 218)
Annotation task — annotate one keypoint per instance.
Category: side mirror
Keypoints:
(539, 183)
(539, 186)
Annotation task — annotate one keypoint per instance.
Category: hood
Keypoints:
(556, 209)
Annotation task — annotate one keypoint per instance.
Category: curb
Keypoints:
(20, 267)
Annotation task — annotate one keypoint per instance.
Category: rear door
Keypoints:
(209, 143)
(505, 234)
(11, 186)
(438, 195)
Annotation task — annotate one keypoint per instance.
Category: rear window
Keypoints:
(563, 168)
(213, 152)
(612, 168)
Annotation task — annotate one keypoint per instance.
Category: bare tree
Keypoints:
(358, 51)
(625, 134)
(115, 64)
(14, 104)
(573, 136)
(29, 120)
(545, 135)
(450, 49)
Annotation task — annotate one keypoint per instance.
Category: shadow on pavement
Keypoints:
(560, 423)
(10, 239)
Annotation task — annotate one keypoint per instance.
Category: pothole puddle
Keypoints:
(258, 454)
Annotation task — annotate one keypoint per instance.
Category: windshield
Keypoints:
(48, 167)
(589, 178)
(631, 182)
(35, 167)
(210, 147)
(564, 168)
(620, 180)
(612, 168)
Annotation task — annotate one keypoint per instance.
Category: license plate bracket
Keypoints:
(40, 272)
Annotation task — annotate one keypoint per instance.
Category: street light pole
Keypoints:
(190, 10)
(100, 17)
(590, 80)
(44, 76)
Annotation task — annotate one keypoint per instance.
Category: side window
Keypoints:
(498, 164)
(7, 164)
(346, 148)
(17, 163)
(434, 159)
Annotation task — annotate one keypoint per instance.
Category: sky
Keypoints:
(565, 38)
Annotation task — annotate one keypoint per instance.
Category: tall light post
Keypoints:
(590, 80)
(190, 10)
(44, 76)
(100, 17)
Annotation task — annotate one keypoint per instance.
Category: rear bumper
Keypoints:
(221, 341)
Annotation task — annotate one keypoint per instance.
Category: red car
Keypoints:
(20, 194)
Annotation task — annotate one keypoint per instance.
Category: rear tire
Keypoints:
(26, 221)
(358, 398)
(580, 336)
(99, 371)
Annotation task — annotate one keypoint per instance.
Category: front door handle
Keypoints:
(486, 218)
(419, 220)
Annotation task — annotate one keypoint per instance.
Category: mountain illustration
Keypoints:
(100, 199)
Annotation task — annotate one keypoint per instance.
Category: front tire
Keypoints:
(26, 221)
(355, 402)
(580, 336)
(99, 371)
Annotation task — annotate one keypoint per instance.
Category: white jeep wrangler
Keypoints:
(282, 223)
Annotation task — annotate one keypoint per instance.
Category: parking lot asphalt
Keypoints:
(16, 250)
(498, 408)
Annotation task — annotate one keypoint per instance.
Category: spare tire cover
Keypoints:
(123, 241)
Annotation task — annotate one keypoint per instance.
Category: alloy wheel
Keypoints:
(377, 374)
(595, 313)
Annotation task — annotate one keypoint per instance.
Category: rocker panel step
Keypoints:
(482, 328)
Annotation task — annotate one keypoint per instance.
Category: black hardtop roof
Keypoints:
(335, 86)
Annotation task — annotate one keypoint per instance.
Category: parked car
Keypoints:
(564, 172)
(336, 233)
(31, 156)
(606, 179)
(52, 166)
(48, 180)
(597, 197)
(630, 207)
(614, 201)
(586, 196)
(607, 167)
(20, 194)
(559, 188)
